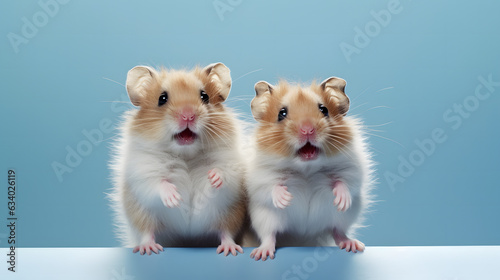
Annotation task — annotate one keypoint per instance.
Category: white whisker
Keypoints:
(113, 81)
(247, 74)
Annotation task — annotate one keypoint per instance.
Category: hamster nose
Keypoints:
(307, 129)
(188, 115)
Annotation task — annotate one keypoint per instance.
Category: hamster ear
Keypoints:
(139, 80)
(334, 87)
(219, 77)
(263, 92)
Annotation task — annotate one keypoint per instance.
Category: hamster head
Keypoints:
(181, 110)
(302, 123)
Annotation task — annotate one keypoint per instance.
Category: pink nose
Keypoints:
(307, 129)
(188, 115)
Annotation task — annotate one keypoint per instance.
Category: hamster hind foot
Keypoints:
(147, 246)
(267, 248)
(344, 242)
(228, 246)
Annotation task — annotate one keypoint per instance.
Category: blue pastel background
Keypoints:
(58, 84)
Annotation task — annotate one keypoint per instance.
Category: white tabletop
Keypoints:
(444, 263)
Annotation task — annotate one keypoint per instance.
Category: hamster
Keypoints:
(177, 169)
(311, 175)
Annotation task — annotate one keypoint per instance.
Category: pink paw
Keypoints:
(281, 196)
(343, 198)
(263, 252)
(148, 247)
(169, 195)
(215, 178)
(229, 247)
(352, 245)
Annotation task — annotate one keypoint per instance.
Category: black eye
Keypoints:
(163, 98)
(204, 97)
(282, 114)
(323, 110)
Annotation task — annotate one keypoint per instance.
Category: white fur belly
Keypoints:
(311, 210)
(202, 206)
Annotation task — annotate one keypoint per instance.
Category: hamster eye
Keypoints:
(163, 98)
(282, 114)
(323, 110)
(204, 97)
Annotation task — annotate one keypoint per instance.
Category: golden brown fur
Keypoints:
(302, 103)
(186, 88)
(139, 216)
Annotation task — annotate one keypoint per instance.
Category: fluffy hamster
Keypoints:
(311, 175)
(177, 169)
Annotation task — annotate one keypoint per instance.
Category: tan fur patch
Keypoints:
(139, 217)
(233, 221)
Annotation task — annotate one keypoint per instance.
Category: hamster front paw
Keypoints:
(342, 194)
(281, 196)
(215, 178)
(169, 195)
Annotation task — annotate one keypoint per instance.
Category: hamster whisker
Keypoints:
(339, 147)
(279, 142)
(257, 70)
(113, 82)
(145, 120)
(388, 139)
(241, 98)
(367, 125)
(358, 96)
(210, 132)
(214, 134)
(376, 130)
(223, 126)
(360, 105)
(217, 128)
(151, 119)
(272, 135)
(366, 128)
(342, 137)
(337, 139)
(127, 102)
(204, 134)
(376, 107)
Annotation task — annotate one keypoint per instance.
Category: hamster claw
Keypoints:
(344, 242)
(352, 245)
(227, 248)
(215, 178)
(169, 195)
(281, 196)
(343, 199)
(263, 252)
(228, 245)
(148, 248)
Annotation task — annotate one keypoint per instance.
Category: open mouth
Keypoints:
(185, 137)
(308, 152)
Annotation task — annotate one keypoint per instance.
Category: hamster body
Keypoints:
(177, 169)
(310, 177)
